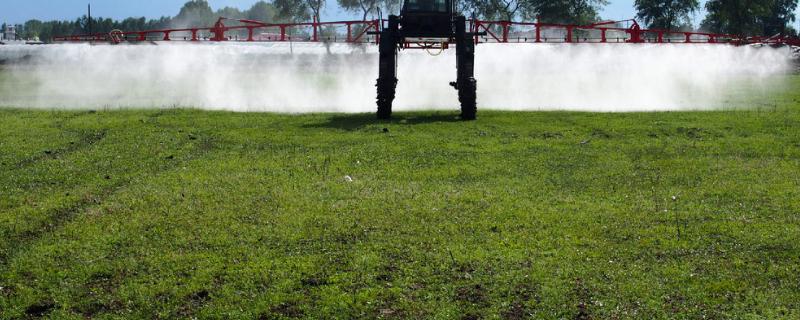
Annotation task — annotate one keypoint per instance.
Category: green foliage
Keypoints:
(232, 13)
(494, 9)
(370, 8)
(47, 30)
(31, 29)
(150, 214)
(559, 11)
(750, 18)
(365, 7)
(563, 11)
(299, 10)
(316, 8)
(667, 15)
(261, 11)
(781, 15)
(195, 13)
(745, 17)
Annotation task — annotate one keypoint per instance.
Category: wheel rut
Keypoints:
(58, 217)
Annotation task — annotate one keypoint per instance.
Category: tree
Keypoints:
(365, 7)
(669, 14)
(230, 12)
(369, 8)
(132, 24)
(316, 8)
(578, 12)
(494, 9)
(161, 23)
(299, 10)
(388, 7)
(780, 17)
(261, 11)
(292, 10)
(735, 16)
(33, 29)
(194, 13)
(749, 18)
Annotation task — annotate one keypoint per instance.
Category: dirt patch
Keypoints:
(286, 309)
(88, 139)
(474, 294)
(40, 309)
(313, 282)
(95, 308)
(194, 302)
(551, 135)
(520, 297)
(200, 297)
(470, 316)
(584, 300)
(384, 277)
(696, 133)
(600, 134)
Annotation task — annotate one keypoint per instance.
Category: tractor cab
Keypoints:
(427, 20)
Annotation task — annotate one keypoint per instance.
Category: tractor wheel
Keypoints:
(386, 92)
(467, 95)
(384, 110)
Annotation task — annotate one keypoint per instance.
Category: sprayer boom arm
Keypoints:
(482, 31)
(430, 25)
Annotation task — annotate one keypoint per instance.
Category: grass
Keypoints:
(181, 213)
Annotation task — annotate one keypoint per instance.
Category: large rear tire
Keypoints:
(465, 64)
(387, 68)
(386, 93)
(467, 95)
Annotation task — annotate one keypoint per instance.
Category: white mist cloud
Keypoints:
(299, 78)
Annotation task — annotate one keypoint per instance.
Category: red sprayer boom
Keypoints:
(428, 24)
(355, 32)
(359, 32)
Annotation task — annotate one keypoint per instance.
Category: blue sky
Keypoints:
(18, 11)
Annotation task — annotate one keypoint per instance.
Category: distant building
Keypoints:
(10, 33)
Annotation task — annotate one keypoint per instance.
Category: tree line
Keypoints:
(742, 17)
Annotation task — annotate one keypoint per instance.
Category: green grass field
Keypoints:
(182, 214)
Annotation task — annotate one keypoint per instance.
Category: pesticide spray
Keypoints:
(313, 77)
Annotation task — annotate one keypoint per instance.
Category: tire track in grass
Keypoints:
(204, 146)
(87, 140)
(46, 151)
(60, 216)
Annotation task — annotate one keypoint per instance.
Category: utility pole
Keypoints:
(90, 18)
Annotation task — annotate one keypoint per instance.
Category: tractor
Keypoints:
(429, 25)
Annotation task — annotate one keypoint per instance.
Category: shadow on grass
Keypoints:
(353, 122)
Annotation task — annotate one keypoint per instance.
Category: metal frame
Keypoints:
(495, 32)
(634, 34)
(220, 29)
(464, 34)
